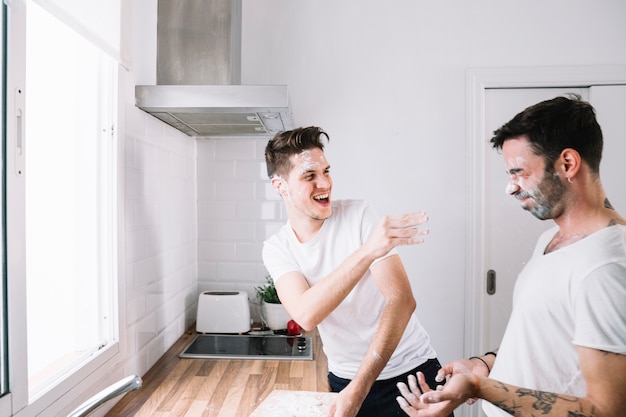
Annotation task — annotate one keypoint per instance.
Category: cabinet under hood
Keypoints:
(198, 75)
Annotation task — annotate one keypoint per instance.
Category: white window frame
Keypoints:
(4, 400)
(75, 388)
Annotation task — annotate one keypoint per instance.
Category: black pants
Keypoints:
(381, 400)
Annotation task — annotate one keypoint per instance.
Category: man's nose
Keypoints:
(323, 182)
(512, 187)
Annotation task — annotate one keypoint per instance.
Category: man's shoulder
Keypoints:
(279, 236)
(349, 210)
(349, 204)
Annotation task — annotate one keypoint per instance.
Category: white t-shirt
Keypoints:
(574, 296)
(348, 331)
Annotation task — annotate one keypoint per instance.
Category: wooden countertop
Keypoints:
(218, 387)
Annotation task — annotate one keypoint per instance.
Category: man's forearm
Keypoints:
(318, 301)
(392, 325)
(524, 402)
(400, 304)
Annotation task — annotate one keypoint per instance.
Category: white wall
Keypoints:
(387, 81)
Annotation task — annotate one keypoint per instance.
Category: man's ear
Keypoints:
(278, 185)
(570, 163)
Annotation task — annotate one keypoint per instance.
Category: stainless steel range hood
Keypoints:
(218, 110)
(198, 75)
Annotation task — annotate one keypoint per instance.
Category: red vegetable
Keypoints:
(293, 328)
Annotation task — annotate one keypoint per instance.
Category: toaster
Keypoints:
(223, 312)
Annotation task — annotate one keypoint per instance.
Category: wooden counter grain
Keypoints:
(218, 387)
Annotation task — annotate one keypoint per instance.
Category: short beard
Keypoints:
(547, 195)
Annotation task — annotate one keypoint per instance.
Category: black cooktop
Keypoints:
(221, 346)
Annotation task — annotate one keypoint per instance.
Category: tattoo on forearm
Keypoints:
(511, 410)
(500, 385)
(544, 403)
(545, 400)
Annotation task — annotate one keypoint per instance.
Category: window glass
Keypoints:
(70, 216)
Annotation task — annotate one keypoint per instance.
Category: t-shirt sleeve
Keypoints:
(277, 260)
(600, 310)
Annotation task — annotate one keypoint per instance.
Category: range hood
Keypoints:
(198, 75)
(218, 110)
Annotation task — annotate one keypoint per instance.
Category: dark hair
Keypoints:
(553, 125)
(285, 144)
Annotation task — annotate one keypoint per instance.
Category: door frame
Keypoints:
(477, 81)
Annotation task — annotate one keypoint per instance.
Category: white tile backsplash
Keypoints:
(196, 215)
(251, 210)
(249, 251)
(160, 237)
(208, 230)
(266, 191)
(236, 272)
(216, 251)
(216, 210)
(234, 190)
(212, 168)
(233, 149)
(232, 222)
(207, 272)
(237, 231)
(251, 170)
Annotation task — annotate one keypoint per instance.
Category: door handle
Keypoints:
(19, 132)
(491, 282)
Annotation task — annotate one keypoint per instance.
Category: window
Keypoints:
(61, 243)
(69, 210)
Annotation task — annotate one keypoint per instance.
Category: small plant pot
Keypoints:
(275, 316)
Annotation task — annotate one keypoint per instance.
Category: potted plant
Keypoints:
(267, 293)
(273, 312)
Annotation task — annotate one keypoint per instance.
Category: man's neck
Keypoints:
(587, 208)
(305, 228)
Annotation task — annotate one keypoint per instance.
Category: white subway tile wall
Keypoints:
(196, 213)
(237, 210)
(160, 238)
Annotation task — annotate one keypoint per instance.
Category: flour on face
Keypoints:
(306, 161)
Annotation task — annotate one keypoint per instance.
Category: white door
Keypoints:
(610, 105)
(510, 232)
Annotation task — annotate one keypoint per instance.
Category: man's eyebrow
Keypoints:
(306, 172)
(309, 170)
